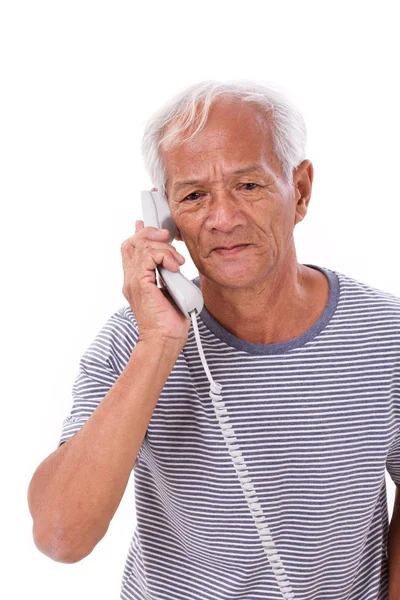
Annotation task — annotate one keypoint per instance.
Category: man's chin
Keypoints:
(225, 279)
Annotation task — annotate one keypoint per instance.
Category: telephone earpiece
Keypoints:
(186, 295)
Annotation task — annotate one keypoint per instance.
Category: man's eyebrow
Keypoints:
(249, 169)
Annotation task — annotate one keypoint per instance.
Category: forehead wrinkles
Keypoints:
(194, 159)
(214, 160)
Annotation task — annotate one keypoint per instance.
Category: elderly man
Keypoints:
(309, 362)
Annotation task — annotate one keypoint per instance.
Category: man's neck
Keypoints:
(277, 310)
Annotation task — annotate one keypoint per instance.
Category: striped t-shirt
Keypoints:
(317, 419)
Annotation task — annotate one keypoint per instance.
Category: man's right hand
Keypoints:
(157, 315)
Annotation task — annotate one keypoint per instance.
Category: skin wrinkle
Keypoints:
(261, 295)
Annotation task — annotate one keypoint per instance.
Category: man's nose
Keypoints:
(225, 210)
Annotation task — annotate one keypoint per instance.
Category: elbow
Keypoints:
(69, 559)
(64, 555)
(55, 548)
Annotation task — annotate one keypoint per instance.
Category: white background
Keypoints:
(78, 81)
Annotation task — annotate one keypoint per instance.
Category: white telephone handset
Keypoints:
(185, 293)
(189, 299)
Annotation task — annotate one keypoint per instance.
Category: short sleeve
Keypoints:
(393, 459)
(99, 368)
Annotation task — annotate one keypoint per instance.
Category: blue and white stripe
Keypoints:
(317, 420)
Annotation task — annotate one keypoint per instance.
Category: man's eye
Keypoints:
(192, 194)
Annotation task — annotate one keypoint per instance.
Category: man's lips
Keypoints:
(232, 250)
(229, 247)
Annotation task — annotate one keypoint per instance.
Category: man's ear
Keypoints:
(179, 237)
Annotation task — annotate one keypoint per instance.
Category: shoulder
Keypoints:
(365, 306)
(356, 290)
(125, 314)
(119, 330)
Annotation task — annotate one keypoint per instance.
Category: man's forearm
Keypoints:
(75, 491)
(394, 551)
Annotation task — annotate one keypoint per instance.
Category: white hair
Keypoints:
(288, 126)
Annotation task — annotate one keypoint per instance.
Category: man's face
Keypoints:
(225, 209)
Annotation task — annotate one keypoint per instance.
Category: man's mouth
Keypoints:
(229, 247)
(231, 250)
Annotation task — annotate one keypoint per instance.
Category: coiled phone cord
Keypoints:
(242, 473)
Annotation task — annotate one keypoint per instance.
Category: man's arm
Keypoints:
(394, 549)
(75, 491)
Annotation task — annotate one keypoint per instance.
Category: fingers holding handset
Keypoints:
(157, 315)
(171, 258)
